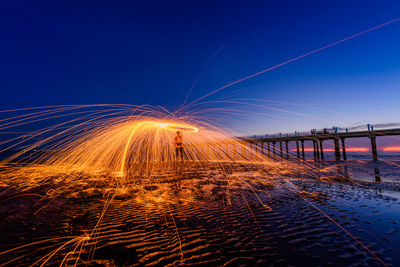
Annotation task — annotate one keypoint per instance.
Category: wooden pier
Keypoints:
(317, 139)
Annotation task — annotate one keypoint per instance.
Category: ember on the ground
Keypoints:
(204, 217)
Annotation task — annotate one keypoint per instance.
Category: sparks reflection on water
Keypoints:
(120, 149)
(105, 142)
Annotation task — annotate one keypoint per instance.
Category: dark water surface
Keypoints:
(209, 218)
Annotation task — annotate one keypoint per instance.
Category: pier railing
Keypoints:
(318, 138)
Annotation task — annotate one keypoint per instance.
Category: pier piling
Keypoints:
(337, 148)
(287, 149)
(315, 150)
(344, 150)
(297, 149)
(373, 146)
(321, 148)
(318, 138)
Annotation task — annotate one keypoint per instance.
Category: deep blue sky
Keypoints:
(150, 52)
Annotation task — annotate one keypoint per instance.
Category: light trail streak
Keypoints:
(336, 223)
(259, 199)
(122, 147)
(177, 234)
(203, 70)
(291, 60)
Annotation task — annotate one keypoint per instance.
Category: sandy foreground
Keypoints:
(207, 217)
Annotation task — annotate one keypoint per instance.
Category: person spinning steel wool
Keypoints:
(178, 145)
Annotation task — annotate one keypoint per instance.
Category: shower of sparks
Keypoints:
(124, 145)
(121, 147)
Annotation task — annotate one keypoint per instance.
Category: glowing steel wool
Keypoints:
(136, 145)
(157, 125)
(108, 147)
(178, 127)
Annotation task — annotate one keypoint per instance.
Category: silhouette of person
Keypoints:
(178, 145)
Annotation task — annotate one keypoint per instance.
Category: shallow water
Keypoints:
(209, 218)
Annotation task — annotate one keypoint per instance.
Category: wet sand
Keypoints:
(204, 217)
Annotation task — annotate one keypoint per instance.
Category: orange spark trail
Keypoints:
(100, 147)
(337, 224)
(202, 71)
(294, 59)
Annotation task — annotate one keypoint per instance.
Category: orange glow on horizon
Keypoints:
(357, 149)
(392, 149)
(350, 149)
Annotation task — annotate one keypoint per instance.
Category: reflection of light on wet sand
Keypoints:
(205, 215)
(114, 188)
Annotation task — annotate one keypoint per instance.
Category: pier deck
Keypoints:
(318, 139)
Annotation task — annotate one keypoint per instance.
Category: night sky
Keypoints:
(151, 52)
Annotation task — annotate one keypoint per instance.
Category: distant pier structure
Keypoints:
(317, 139)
